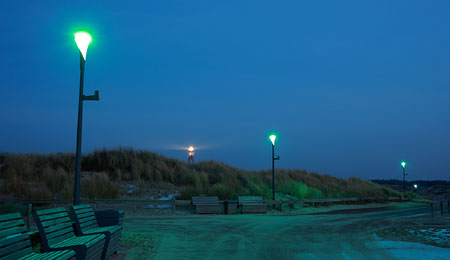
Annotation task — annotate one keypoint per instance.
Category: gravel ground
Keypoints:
(386, 231)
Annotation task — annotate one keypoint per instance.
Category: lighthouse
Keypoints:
(191, 154)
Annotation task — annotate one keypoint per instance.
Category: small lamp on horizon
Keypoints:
(272, 138)
(403, 163)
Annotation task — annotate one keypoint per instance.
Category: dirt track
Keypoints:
(340, 234)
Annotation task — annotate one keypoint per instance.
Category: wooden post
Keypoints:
(448, 206)
(29, 217)
(442, 208)
(432, 212)
(174, 206)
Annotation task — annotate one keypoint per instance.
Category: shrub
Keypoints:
(258, 188)
(186, 192)
(56, 178)
(222, 191)
(299, 190)
(98, 186)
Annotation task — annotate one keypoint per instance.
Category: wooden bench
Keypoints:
(86, 224)
(207, 205)
(252, 204)
(15, 242)
(56, 232)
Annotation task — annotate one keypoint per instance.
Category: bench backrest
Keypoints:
(84, 217)
(14, 239)
(54, 225)
(250, 200)
(205, 200)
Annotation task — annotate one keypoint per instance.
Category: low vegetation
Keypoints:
(140, 245)
(41, 176)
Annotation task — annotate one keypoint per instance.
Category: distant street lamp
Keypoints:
(82, 39)
(415, 186)
(404, 174)
(272, 139)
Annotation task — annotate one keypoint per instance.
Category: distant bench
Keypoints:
(252, 204)
(207, 205)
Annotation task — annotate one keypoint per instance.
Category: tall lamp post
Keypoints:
(404, 174)
(82, 39)
(272, 139)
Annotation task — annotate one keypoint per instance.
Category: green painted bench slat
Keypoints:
(84, 214)
(12, 239)
(59, 239)
(88, 225)
(59, 233)
(9, 217)
(54, 228)
(87, 218)
(52, 216)
(51, 223)
(10, 231)
(23, 245)
(12, 223)
(66, 255)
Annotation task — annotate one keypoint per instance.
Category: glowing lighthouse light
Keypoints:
(191, 154)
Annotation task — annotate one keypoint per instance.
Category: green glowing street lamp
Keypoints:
(404, 174)
(82, 39)
(415, 186)
(272, 138)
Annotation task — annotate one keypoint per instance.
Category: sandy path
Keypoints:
(336, 235)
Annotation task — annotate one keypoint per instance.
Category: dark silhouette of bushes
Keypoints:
(54, 175)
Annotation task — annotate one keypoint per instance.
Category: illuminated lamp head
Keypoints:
(272, 139)
(83, 39)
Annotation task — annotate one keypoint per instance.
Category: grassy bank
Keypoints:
(51, 176)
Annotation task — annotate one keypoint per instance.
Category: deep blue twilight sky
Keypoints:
(352, 87)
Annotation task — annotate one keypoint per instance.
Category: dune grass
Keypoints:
(51, 176)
